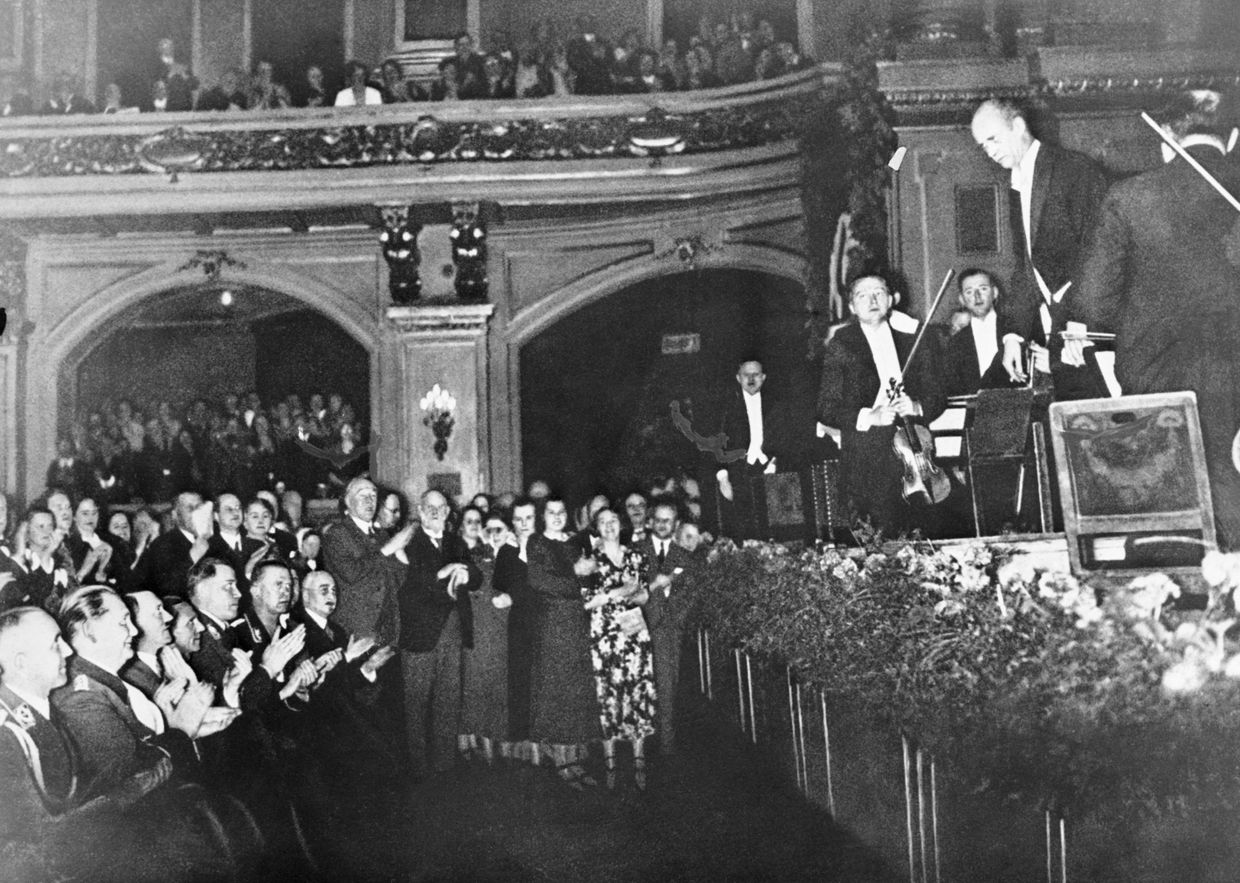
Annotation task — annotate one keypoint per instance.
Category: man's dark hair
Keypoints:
(265, 565)
(206, 568)
(1195, 112)
(977, 271)
(38, 510)
(82, 606)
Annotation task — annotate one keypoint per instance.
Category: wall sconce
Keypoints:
(437, 406)
(469, 252)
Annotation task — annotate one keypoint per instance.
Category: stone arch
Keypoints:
(592, 287)
(505, 465)
(54, 353)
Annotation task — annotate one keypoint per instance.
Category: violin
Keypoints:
(913, 445)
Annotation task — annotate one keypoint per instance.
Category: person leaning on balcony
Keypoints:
(357, 92)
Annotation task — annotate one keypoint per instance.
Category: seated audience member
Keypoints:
(309, 548)
(120, 529)
(148, 668)
(113, 100)
(768, 65)
(186, 627)
(267, 619)
(532, 77)
(119, 734)
(689, 537)
(180, 85)
(68, 471)
(264, 92)
(159, 96)
(497, 78)
(20, 104)
(671, 65)
(213, 592)
(733, 61)
(358, 92)
(445, 88)
(165, 564)
(699, 69)
(471, 78)
(11, 567)
(975, 354)
(228, 94)
(65, 98)
(37, 787)
(313, 92)
(396, 89)
(46, 575)
(146, 528)
(284, 543)
(92, 553)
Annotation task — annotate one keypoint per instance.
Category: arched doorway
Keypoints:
(206, 348)
(596, 386)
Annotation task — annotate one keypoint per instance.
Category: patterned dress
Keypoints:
(623, 666)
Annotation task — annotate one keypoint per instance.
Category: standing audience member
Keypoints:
(665, 613)
(484, 675)
(436, 625)
(165, 564)
(620, 646)
(362, 559)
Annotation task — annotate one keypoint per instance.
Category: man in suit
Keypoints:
(860, 363)
(1163, 273)
(227, 542)
(436, 623)
(145, 669)
(1055, 197)
(665, 614)
(120, 735)
(748, 418)
(67, 471)
(362, 559)
(974, 353)
(165, 564)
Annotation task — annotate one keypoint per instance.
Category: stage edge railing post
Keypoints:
(753, 716)
(908, 810)
(740, 687)
(921, 810)
(801, 741)
(710, 687)
(826, 744)
(701, 664)
(934, 816)
(792, 728)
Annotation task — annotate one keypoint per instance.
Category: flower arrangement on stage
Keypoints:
(1035, 683)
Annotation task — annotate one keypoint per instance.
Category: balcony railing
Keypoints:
(748, 115)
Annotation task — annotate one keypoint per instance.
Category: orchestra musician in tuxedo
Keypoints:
(860, 363)
(1163, 273)
(974, 357)
(1054, 201)
(750, 418)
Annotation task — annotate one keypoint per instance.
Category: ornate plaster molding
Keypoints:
(441, 321)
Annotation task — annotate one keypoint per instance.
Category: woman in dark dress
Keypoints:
(484, 676)
(620, 646)
(564, 714)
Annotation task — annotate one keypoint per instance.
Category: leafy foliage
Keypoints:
(1035, 685)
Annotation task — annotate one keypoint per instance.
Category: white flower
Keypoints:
(1232, 668)
(1019, 570)
(1184, 677)
(1215, 567)
(1150, 592)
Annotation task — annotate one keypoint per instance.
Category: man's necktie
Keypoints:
(662, 553)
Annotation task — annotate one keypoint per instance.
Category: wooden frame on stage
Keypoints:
(1132, 478)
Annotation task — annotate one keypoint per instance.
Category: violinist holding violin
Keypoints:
(855, 396)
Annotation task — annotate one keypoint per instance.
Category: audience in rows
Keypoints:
(236, 692)
(723, 52)
(119, 453)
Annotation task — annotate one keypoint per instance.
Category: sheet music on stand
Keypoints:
(1000, 424)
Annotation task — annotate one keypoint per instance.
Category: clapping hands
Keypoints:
(280, 652)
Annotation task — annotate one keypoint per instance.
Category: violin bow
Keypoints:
(921, 332)
(1196, 166)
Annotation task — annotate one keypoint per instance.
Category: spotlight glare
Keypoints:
(226, 298)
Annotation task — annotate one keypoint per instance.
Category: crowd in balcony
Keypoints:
(121, 453)
(723, 52)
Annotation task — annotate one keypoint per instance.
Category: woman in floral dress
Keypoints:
(620, 645)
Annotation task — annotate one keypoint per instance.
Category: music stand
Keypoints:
(1003, 437)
